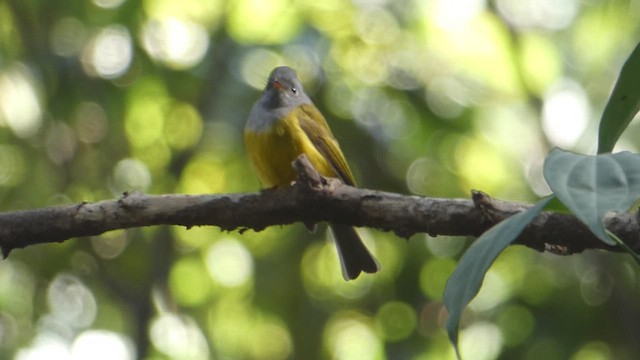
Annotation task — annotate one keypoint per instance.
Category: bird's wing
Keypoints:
(316, 128)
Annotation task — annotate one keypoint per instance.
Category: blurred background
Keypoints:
(426, 97)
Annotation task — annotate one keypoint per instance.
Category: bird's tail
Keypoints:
(354, 256)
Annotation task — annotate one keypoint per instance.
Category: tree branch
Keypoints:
(311, 199)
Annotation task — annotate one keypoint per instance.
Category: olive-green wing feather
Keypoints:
(316, 128)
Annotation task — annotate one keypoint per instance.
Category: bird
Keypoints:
(283, 124)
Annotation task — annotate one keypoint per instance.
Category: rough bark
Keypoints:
(311, 199)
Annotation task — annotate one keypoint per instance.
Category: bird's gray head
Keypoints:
(284, 89)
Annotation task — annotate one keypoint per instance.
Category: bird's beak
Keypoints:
(276, 84)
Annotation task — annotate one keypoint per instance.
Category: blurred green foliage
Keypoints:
(431, 98)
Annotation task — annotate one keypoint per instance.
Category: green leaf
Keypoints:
(464, 283)
(623, 104)
(592, 186)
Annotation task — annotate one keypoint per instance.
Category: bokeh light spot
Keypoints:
(494, 291)
(12, 165)
(445, 246)
(452, 14)
(108, 4)
(263, 21)
(230, 321)
(384, 118)
(177, 43)
(61, 142)
(366, 63)
(270, 340)
(565, 113)
(421, 176)
(156, 157)
(434, 275)
(596, 350)
(322, 277)
(144, 122)
(546, 348)
(447, 96)
(110, 244)
(91, 123)
(183, 127)
(68, 36)
(596, 286)
(347, 336)
(179, 337)
(109, 53)
(17, 287)
(306, 61)
(516, 323)
(71, 302)
(189, 282)
(20, 102)
(204, 174)
(540, 62)
(396, 320)
(552, 15)
(256, 66)
(229, 262)
(206, 13)
(376, 26)
(481, 341)
(482, 166)
(46, 346)
(541, 281)
(192, 238)
(102, 345)
(131, 174)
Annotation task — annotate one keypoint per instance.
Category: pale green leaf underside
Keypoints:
(465, 282)
(592, 186)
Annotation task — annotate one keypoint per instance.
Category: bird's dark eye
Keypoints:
(294, 91)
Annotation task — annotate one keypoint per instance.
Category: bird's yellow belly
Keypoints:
(273, 150)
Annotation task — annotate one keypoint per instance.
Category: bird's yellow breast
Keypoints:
(273, 149)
